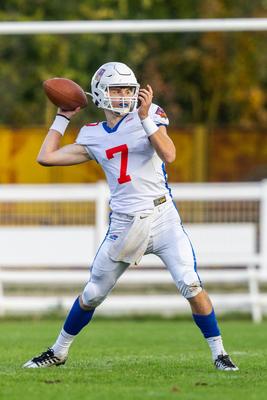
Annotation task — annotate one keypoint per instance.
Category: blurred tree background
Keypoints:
(211, 80)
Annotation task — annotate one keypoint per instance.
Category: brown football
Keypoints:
(65, 93)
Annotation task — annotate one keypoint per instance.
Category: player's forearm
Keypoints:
(49, 146)
(164, 146)
(51, 154)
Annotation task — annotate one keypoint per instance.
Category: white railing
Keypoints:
(55, 255)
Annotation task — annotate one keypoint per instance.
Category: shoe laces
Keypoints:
(226, 360)
(45, 356)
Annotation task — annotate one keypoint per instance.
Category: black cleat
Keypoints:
(224, 363)
(44, 360)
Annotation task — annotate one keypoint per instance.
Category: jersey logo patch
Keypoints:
(113, 237)
(161, 112)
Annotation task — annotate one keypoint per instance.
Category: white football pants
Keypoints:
(167, 240)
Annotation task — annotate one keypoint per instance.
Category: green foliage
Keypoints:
(135, 360)
(199, 78)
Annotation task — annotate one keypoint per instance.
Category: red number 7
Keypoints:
(123, 149)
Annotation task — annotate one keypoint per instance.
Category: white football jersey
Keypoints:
(135, 173)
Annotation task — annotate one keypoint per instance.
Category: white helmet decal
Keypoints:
(114, 74)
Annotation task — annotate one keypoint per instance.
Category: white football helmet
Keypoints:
(114, 74)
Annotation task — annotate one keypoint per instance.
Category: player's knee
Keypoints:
(190, 286)
(92, 296)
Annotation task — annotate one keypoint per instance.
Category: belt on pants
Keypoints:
(159, 201)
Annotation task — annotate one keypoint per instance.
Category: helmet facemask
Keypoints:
(121, 104)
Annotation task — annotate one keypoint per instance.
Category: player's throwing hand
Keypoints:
(145, 97)
(68, 114)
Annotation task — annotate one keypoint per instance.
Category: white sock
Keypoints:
(216, 346)
(62, 344)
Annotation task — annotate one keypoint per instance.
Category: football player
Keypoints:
(132, 146)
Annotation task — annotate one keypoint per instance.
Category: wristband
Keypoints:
(149, 126)
(60, 124)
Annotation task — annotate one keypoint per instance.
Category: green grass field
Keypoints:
(133, 359)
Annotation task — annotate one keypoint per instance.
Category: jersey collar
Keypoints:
(114, 129)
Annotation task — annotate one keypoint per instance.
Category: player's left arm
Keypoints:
(159, 139)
